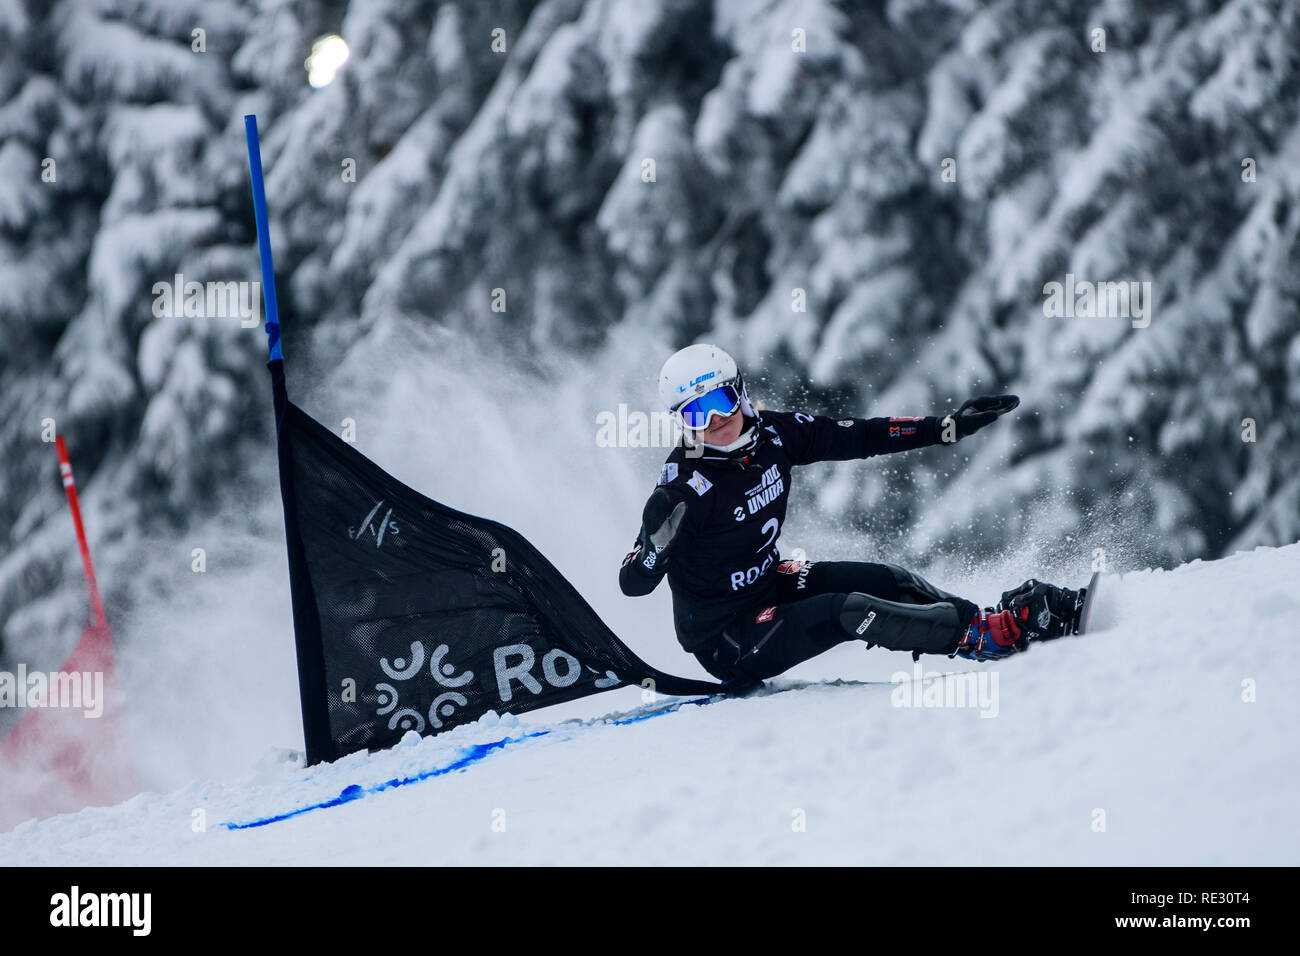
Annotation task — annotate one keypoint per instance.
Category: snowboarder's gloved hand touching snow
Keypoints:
(975, 414)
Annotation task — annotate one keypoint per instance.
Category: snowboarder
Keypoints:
(712, 523)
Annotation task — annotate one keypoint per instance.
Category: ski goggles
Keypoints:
(698, 412)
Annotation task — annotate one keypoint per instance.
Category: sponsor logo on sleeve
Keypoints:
(699, 483)
(765, 615)
(845, 423)
(866, 621)
(668, 473)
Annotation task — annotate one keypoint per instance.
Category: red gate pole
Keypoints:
(70, 485)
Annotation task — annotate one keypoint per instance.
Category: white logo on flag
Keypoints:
(386, 526)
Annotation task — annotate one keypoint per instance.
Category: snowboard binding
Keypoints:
(1034, 611)
(991, 635)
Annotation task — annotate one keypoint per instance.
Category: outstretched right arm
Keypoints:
(662, 526)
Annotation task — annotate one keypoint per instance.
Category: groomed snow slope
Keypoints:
(1133, 745)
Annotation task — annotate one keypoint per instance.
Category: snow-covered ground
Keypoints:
(1166, 736)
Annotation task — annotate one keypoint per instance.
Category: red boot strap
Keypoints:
(1004, 628)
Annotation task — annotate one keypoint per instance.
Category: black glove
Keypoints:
(660, 522)
(721, 663)
(978, 412)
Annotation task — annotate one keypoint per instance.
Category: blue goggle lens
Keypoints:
(697, 413)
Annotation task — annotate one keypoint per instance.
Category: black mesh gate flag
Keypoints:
(408, 615)
(433, 617)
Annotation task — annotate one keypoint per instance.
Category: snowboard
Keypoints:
(1085, 612)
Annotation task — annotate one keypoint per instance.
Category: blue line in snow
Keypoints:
(470, 755)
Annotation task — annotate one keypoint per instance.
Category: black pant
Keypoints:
(811, 608)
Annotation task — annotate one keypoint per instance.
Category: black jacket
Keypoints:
(724, 555)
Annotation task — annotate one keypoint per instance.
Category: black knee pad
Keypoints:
(924, 628)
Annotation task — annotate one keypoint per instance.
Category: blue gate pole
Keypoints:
(263, 239)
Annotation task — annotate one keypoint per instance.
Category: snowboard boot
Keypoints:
(1035, 611)
(991, 635)
(1044, 612)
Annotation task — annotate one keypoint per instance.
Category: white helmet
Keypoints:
(696, 371)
